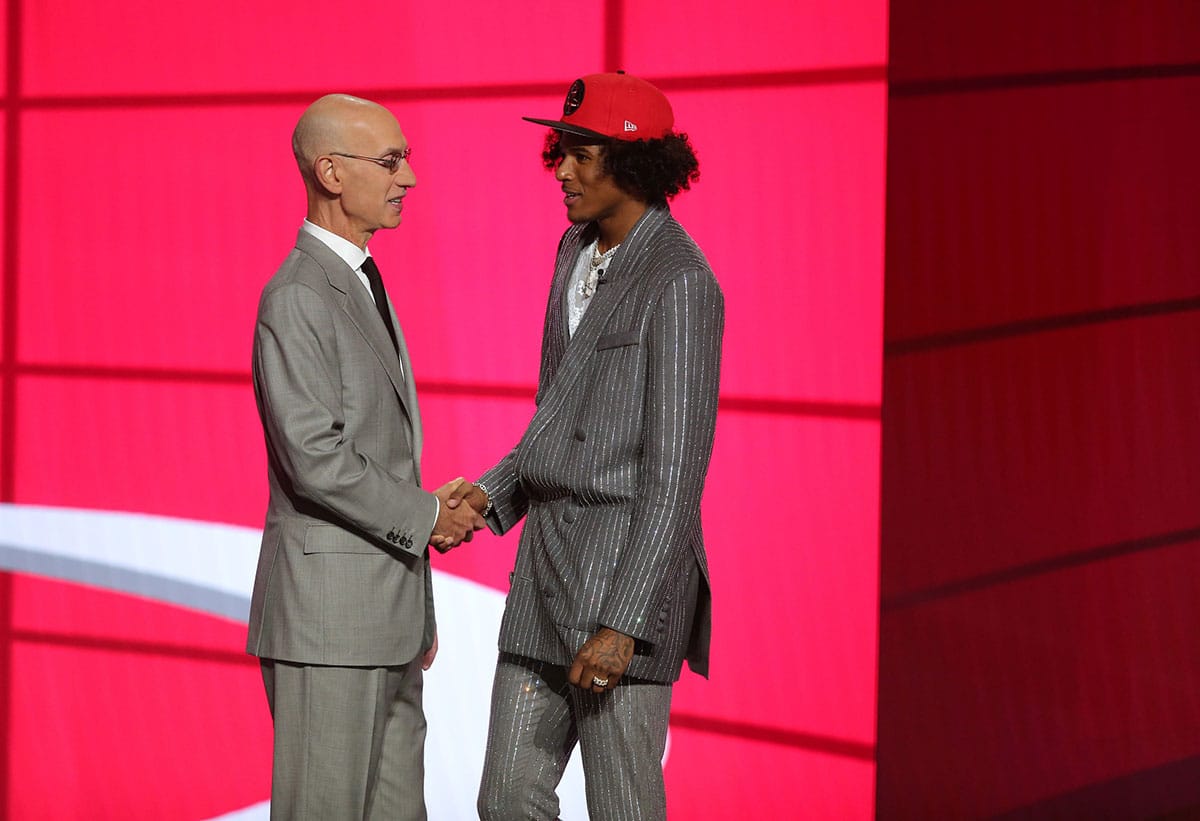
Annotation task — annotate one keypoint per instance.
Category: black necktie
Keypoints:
(381, 304)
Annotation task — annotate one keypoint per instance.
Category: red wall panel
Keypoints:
(275, 46)
(1063, 199)
(946, 39)
(189, 450)
(674, 37)
(1038, 447)
(1039, 421)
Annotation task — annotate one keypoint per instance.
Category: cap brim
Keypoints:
(559, 125)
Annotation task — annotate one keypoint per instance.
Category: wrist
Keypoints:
(487, 507)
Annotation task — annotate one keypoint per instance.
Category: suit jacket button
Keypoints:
(580, 435)
(568, 516)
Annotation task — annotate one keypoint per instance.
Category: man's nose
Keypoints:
(405, 175)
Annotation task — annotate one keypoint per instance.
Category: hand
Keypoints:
(604, 656)
(472, 494)
(453, 527)
(429, 655)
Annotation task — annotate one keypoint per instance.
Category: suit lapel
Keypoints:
(577, 353)
(555, 336)
(358, 306)
(408, 396)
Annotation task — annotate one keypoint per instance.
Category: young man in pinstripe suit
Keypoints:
(610, 591)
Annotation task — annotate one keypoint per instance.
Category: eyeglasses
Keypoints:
(389, 161)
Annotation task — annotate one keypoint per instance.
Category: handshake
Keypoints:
(457, 522)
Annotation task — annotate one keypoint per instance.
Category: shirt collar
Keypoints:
(350, 253)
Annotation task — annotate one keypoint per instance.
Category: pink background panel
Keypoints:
(815, 585)
(469, 268)
(794, 586)
(789, 211)
(1074, 471)
(190, 212)
(1083, 226)
(464, 436)
(5, 229)
(194, 207)
(91, 693)
(757, 779)
(49, 607)
(228, 46)
(188, 450)
(674, 37)
(481, 227)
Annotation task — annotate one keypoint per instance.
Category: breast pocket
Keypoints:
(620, 339)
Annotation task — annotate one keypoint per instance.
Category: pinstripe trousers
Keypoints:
(538, 718)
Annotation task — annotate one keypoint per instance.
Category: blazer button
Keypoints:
(568, 516)
(580, 435)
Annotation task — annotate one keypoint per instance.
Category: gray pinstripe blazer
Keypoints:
(610, 471)
(343, 573)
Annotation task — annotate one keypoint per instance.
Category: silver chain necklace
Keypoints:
(592, 280)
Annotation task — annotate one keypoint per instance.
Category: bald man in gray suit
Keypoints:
(610, 591)
(342, 609)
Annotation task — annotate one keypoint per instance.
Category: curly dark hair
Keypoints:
(652, 171)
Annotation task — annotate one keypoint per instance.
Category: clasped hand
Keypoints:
(455, 523)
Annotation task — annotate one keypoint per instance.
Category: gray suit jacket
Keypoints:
(343, 574)
(610, 471)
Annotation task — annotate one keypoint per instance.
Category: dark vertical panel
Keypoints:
(1040, 451)
(614, 35)
(8, 355)
(944, 39)
(12, 198)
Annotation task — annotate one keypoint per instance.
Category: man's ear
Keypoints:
(325, 170)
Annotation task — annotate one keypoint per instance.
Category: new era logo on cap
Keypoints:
(604, 106)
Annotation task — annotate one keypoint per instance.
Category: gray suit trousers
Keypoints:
(537, 720)
(349, 741)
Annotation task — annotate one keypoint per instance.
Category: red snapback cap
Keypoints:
(613, 107)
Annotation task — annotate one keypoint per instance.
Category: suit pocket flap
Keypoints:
(618, 340)
(330, 539)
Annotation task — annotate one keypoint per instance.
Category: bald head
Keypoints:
(354, 161)
(328, 125)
